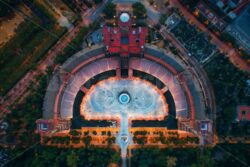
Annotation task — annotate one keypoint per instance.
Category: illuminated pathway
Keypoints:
(124, 138)
(124, 100)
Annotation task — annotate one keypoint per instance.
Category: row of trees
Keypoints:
(140, 137)
(66, 140)
(42, 156)
(78, 133)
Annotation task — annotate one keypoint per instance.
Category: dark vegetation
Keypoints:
(7, 6)
(230, 88)
(109, 11)
(42, 156)
(139, 10)
(219, 156)
(26, 48)
(190, 4)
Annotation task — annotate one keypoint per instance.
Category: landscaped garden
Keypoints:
(195, 42)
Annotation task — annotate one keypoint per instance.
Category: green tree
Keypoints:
(205, 160)
(139, 10)
(98, 1)
(163, 18)
(74, 133)
(191, 4)
(6, 7)
(171, 161)
(115, 158)
(72, 159)
(87, 140)
(226, 37)
(109, 10)
(94, 132)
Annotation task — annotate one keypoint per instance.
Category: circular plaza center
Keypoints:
(138, 98)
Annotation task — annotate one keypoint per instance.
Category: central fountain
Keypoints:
(124, 98)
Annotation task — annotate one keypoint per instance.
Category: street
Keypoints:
(230, 51)
(22, 86)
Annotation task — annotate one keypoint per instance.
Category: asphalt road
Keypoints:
(230, 51)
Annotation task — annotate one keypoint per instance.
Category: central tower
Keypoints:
(124, 38)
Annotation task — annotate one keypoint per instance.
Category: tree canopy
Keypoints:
(139, 10)
(6, 7)
(42, 156)
(109, 10)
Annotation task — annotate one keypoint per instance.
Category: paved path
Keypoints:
(123, 133)
(230, 51)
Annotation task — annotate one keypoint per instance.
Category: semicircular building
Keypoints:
(125, 79)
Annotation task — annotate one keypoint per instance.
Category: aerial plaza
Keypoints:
(130, 83)
(124, 100)
(124, 83)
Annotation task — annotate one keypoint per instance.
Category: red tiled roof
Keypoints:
(242, 116)
(136, 38)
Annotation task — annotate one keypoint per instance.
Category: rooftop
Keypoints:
(243, 113)
(124, 39)
(137, 98)
(124, 17)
